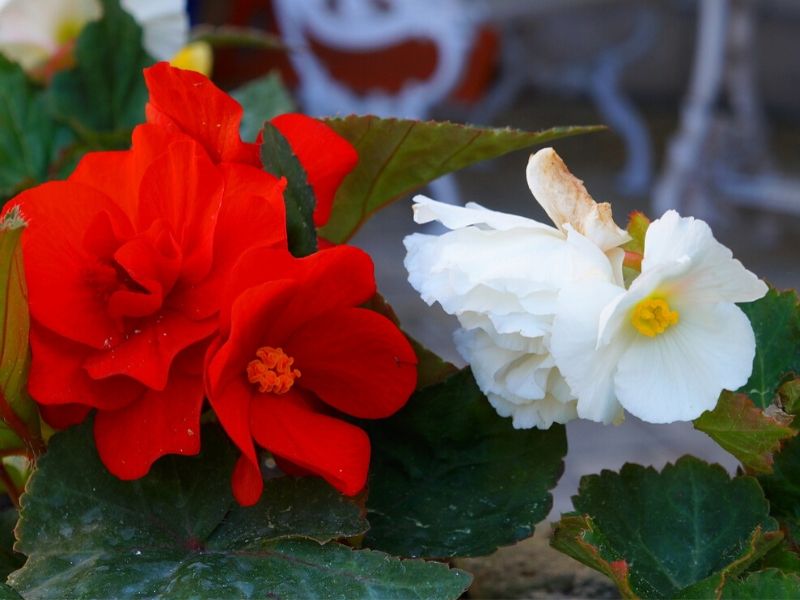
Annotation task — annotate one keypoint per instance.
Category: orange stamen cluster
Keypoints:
(272, 371)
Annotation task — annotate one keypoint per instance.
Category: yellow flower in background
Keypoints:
(665, 348)
(40, 34)
(501, 274)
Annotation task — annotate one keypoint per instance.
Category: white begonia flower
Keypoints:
(32, 32)
(500, 275)
(665, 348)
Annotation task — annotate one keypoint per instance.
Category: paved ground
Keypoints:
(501, 185)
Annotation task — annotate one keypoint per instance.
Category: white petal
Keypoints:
(712, 274)
(566, 201)
(540, 414)
(588, 370)
(456, 217)
(678, 375)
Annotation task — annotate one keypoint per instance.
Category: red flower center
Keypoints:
(272, 371)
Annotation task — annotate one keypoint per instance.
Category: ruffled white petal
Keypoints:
(456, 217)
(588, 369)
(678, 375)
(712, 274)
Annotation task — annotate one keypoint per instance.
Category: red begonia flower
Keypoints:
(293, 349)
(326, 157)
(126, 263)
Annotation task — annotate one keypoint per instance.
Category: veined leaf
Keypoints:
(658, 534)
(449, 477)
(746, 431)
(398, 156)
(177, 533)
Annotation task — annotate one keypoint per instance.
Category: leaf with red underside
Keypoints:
(398, 156)
(746, 431)
(577, 536)
(20, 418)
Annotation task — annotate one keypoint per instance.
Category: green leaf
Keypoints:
(782, 486)
(103, 97)
(262, 99)
(746, 431)
(177, 533)
(578, 537)
(760, 585)
(449, 477)
(9, 559)
(29, 138)
(763, 584)
(8, 593)
(781, 557)
(279, 160)
(776, 322)
(671, 529)
(398, 156)
(20, 419)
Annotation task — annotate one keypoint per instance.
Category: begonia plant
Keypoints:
(203, 393)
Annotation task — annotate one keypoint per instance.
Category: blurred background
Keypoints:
(701, 98)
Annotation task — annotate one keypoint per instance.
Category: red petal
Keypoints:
(227, 388)
(60, 214)
(57, 375)
(355, 360)
(199, 109)
(253, 214)
(183, 188)
(336, 278)
(288, 426)
(64, 415)
(117, 174)
(246, 482)
(147, 353)
(131, 439)
(326, 157)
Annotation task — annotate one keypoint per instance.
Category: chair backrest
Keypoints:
(366, 30)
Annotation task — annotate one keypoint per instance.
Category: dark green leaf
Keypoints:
(669, 530)
(398, 156)
(781, 557)
(760, 585)
(782, 487)
(262, 99)
(29, 138)
(746, 431)
(7, 593)
(763, 584)
(9, 560)
(18, 413)
(449, 477)
(175, 533)
(776, 323)
(279, 160)
(103, 97)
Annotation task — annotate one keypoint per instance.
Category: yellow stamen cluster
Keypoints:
(653, 316)
(272, 371)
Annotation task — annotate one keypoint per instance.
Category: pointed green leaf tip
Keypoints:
(657, 534)
(398, 156)
(178, 533)
(279, 160)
